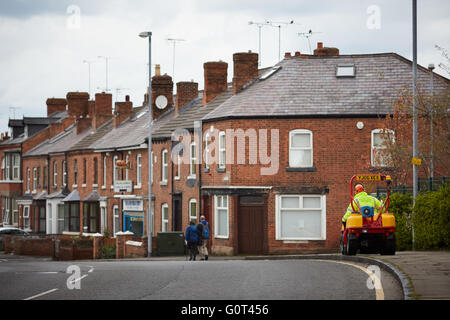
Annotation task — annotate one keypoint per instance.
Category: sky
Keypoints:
(44, 43)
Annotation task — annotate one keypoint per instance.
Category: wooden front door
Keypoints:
(177, 214)
(251, 225)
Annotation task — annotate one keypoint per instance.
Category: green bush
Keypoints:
(108, 252)
(432, 220)
(401, 207)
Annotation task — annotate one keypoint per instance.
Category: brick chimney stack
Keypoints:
(122, 111)
(325, 51)
(245, 69)
(162, 85)
(102, 111)
(186, 92)
(216, 80)
(56, 105)
(78, 104)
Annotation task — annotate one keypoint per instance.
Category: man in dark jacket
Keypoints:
(192, 240)
(203, 228)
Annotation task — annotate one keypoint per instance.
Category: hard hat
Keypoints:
(359, 188)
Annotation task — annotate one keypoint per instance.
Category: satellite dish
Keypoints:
(161, 102)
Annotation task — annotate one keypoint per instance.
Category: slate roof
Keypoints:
(309, 87)
(60, 143)
(87, 141)
(33, 121)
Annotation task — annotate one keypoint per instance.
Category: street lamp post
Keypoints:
(415, 135)
(150, 126)
(431, 68)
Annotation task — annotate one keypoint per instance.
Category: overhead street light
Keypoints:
(150, 126)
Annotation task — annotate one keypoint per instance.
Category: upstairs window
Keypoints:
(380, 141)
(28, 179)
(115, 170)
(222, 150)
(164, 166)
(300, 149)
(16, 166)
(139, 170)
(95, 171)
(55, 174)
(75, 172)
(193, 161)
(35, 179)
(84, 171)
(64, 173)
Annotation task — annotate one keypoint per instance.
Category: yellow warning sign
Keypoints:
(416, 161)
(368, 177)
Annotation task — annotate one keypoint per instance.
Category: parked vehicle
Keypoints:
(10, 231)
(367, 231)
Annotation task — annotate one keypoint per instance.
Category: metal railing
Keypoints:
(425, 185)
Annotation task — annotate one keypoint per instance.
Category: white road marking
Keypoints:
(91, 270)
(379, 293)
(79, 279)
(3, 260)
(41, 294)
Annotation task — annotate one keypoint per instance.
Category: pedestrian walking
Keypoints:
(203, 228)
(192, 238)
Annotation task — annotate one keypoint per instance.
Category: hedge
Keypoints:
(401, 207)
(431, 220)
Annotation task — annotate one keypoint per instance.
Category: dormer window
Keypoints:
(347, 71)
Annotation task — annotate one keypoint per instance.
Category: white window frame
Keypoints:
(55, 173)
(164, 222)
(323, 213)
(193, 160)
(28, 180)
(104, 173)
(126, 170)
(216, 217)
(164, 166)
(26, 218)
(14, 166)
(34, 180)
(372, 147)
(291, 149)
(115, 175)
(151, 168)
(222, 150)
(207, 155)
(64, 173)
(178, 175)
(139, 170)
(191, 216)
(103, 217)
(7, 167)
(116, 214)
(15, 212)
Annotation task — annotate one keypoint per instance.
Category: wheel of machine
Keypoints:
(389, 246)
(352, 245)
(342, 246)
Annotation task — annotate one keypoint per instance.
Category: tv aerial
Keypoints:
(308, 35)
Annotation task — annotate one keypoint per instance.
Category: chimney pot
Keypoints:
(287, 55)
(157, 70)
(297, 53)
(127, 98)
(319, 45)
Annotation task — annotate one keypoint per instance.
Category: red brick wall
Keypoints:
(245, 69)
(340, 150)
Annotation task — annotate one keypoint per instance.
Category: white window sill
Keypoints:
(163, 183)
(68, 233)
(176, 178)
(222, 237)
(11, 181)
(83, 185)
(299, 240)
(112, 187)
(192, 177)
(138, 187)
(95, 186)
(74, 186)
(33, 192)
(103, 187)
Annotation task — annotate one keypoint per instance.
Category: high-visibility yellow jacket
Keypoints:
(360, 200)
